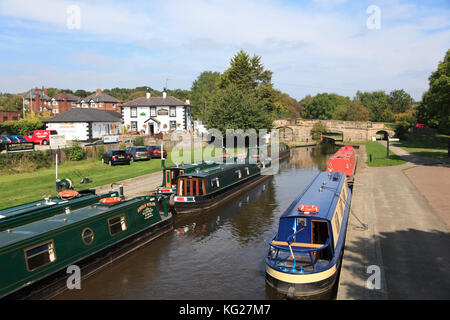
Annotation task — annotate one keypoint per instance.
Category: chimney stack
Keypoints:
(164, 93)
(148, 95)
(98, 91)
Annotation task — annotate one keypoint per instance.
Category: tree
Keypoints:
(323, 105)
(245, 72)
(399, 101)
(357, 112)
(286, 106)
(202, 91)
(434, 109)
(376, 102)
(233, 108)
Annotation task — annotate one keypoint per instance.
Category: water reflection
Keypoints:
(211, 255)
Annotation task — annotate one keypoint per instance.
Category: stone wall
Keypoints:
(300, 129)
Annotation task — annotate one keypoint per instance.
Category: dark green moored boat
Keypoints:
(25, 213)
(34, 257)
(170, 175)
(207, 188)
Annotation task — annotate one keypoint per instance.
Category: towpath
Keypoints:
(398, 241)
(141, 185)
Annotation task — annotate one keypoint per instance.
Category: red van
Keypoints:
(40, 136)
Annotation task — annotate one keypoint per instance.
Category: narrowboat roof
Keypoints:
(219, 168)
(41, 204)
(32, 229)
(323, 192)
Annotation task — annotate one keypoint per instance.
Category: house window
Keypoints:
(133, 112)
(100, 104)
(55, 103)
(133, 125)
(117, 225)
(93, 105)
(55, 111)
(84, 105)
(40, 256)
(114, 105)
(173, 124)
(153, 111)
(173, 111)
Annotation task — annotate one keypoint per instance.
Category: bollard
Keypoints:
(370, 158)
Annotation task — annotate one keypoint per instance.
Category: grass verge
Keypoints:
(425, 144)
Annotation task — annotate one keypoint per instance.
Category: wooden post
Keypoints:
(387, 152)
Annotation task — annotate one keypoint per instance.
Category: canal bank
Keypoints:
(397, 245)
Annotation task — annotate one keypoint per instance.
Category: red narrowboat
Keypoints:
(344, 160)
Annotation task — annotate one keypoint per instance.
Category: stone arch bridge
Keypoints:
(299, 130)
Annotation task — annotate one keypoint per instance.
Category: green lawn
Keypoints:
(378, 153)
(20, 188)
(425, 144)
(24, 187)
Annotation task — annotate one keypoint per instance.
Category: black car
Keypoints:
(14, 139)
(138, 153)
(4, 141)
(113, 157)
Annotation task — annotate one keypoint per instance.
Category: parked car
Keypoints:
(14, 139)
(113, 157)
(40, 136)
(4, 141)
(21, 139)
(138, 153)
(155, 151)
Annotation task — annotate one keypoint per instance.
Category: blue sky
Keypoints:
(311, 46)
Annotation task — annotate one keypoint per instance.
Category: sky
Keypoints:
(334, 46)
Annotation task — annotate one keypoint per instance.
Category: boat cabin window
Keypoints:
(320, 235)
(191, 186)
(215, 182)
(238, 174)
(117, 225)
(247, 170)
(40, 256)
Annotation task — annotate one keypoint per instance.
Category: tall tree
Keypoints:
(399, 101)
(245, 72)
(233, 108)
(202, 91)
(246, 80)
(434, 109)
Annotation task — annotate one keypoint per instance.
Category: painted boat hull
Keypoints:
(56, 283)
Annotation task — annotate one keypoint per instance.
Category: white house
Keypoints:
(85, 124)
(157, 114)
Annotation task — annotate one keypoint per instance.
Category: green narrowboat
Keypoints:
(208, 188)
(170, 175)
(25, 213)
(34, 257)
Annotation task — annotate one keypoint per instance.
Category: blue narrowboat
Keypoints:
(305, 254)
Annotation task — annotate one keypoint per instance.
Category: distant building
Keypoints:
(85, 124)
(63, 102)
(157, 114)
(36, 100)
(9, 116)
(100, 101)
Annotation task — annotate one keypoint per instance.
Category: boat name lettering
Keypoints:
(146, 210)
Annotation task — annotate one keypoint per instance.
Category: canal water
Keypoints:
(211, 255)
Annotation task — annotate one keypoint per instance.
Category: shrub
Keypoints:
(139, 141)
(76, 153)
(317, 130)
